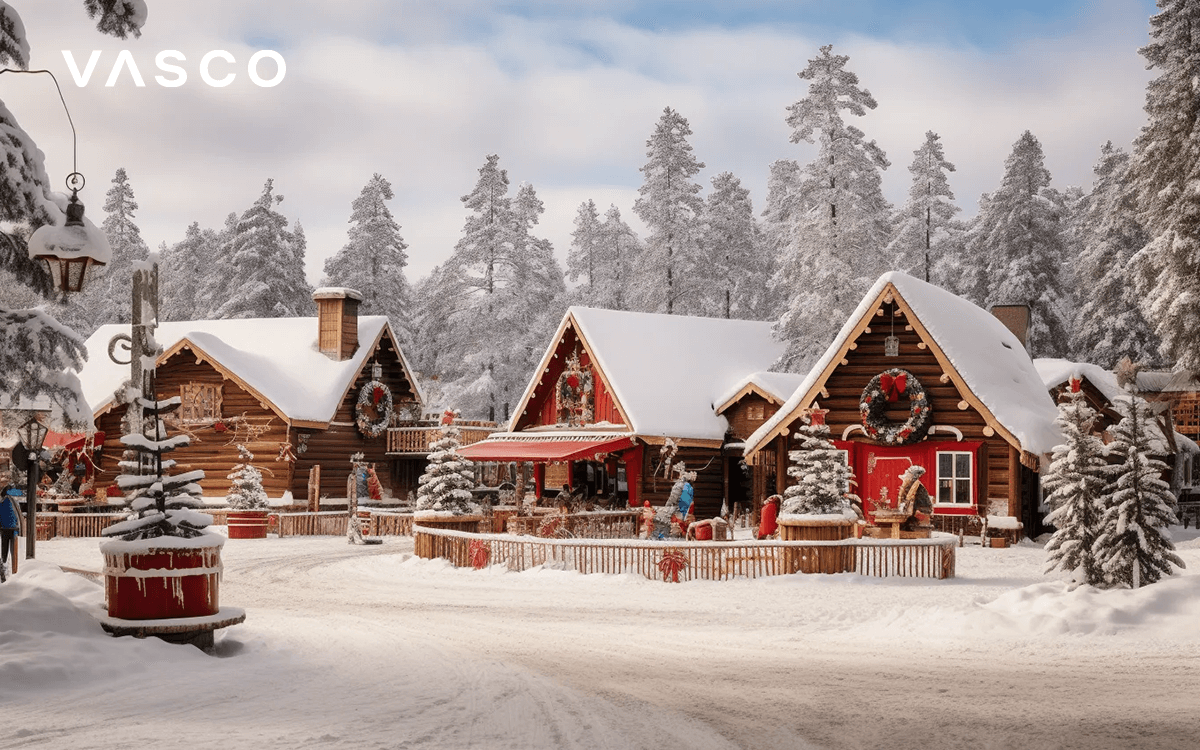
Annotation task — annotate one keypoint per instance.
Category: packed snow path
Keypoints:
(368, 647)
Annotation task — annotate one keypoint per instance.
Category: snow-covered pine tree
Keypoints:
(265, 266)
(736, 252)
(1165, 176)
(583, 257)
(162, 504)
(37, 352)
(444, 488)
(820, 471)
(246, 490)
(105, 299)
(1110, 323)
(924, 227)
(671, 268)
(781, 220)
(184, 267)
(497, 290)
(1018, 240)
(838, 244)
(1135, 548)
(620, 250)
(1074, 486)
(374, 257)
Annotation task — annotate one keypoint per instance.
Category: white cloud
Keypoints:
(401, 89)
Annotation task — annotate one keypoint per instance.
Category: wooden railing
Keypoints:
(415, 438)
(325, 523)
(686, 561)
(388, 523)
(76, 525)
(603, 525)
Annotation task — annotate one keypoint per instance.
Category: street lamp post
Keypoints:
(32, 434)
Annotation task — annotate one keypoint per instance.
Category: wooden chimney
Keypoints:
(337, 321)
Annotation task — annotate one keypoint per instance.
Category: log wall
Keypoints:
(709, 487)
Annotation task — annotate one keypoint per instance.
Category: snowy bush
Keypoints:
(246, 492)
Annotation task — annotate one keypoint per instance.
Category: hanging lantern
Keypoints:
(891, 346)
(70, 250)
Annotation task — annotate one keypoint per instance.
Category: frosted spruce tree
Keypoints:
(495, 293)
(374, 258)
(445, 487)
(186, 267)
(263, 266)
(37, 353)
(583, 257)
(924, 227)
(1135, 548)
(246, 489)
(1165, 176)
(781, 216)
(671, 269)
(1110, 324)
(842, 228)
(820, 472)
(738, 258)
(107, 295)
(1020, 246)
(1074, 487)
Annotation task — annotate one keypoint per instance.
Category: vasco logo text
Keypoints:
(177, 75)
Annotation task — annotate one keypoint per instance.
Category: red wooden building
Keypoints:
(308, 391)
(613, 387)
(920, 376)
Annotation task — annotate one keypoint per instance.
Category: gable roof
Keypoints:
(983, 358)
(276, 359)
(667, 372)
(775, 387)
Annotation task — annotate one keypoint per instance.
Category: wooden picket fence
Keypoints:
(76, 525)
(595, 525)
(324, 523)
(387, 523)
(687, 561)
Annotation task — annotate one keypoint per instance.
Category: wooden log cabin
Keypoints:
(288, 388)
(989, 423)
(613, 387)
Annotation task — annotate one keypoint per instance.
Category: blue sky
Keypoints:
(566, 93)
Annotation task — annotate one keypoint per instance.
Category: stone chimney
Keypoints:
(337, 321)
(1016, 319)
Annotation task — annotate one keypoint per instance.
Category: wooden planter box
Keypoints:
(817, 559)
(162, 583)
(429, 546)
(998, 542)
(247, 524)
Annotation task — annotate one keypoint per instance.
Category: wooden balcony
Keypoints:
(413, 438)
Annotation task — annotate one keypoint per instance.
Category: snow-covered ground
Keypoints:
(369, 647)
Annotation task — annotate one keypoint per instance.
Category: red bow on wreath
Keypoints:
(893, 386)
(376, 396)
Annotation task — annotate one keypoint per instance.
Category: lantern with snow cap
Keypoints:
(69, 251)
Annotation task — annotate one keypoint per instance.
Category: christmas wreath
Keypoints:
(379, 397)
(886, 388)
(575, 390)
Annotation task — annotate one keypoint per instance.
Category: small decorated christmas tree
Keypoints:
(163, 505)
(246, 492)
(1134, 548)
(445, 487)
(820, 470)
(1075, 495)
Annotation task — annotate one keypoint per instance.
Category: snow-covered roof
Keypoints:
(668, 371)
(1055, 372)
(988, 357)
(1168, 380)
(776, 385)
(277, 357)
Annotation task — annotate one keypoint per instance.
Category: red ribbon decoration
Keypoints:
(894, 386)
(480, 553)
(376, 396)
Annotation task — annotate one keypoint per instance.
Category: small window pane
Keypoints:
(944, 490)
(945, 464)
(963, 494)
(962, 465)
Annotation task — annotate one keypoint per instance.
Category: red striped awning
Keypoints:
(539, 451)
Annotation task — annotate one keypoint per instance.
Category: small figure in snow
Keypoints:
(767, 528)
(11, 521)
(647, 521)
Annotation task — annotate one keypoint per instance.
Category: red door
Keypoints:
(878, 469)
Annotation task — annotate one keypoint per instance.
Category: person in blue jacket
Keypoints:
(10, 526)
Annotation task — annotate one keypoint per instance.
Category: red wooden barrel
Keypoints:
(159, 583)
(247, 524)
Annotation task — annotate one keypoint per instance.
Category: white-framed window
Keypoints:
(955, 478)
